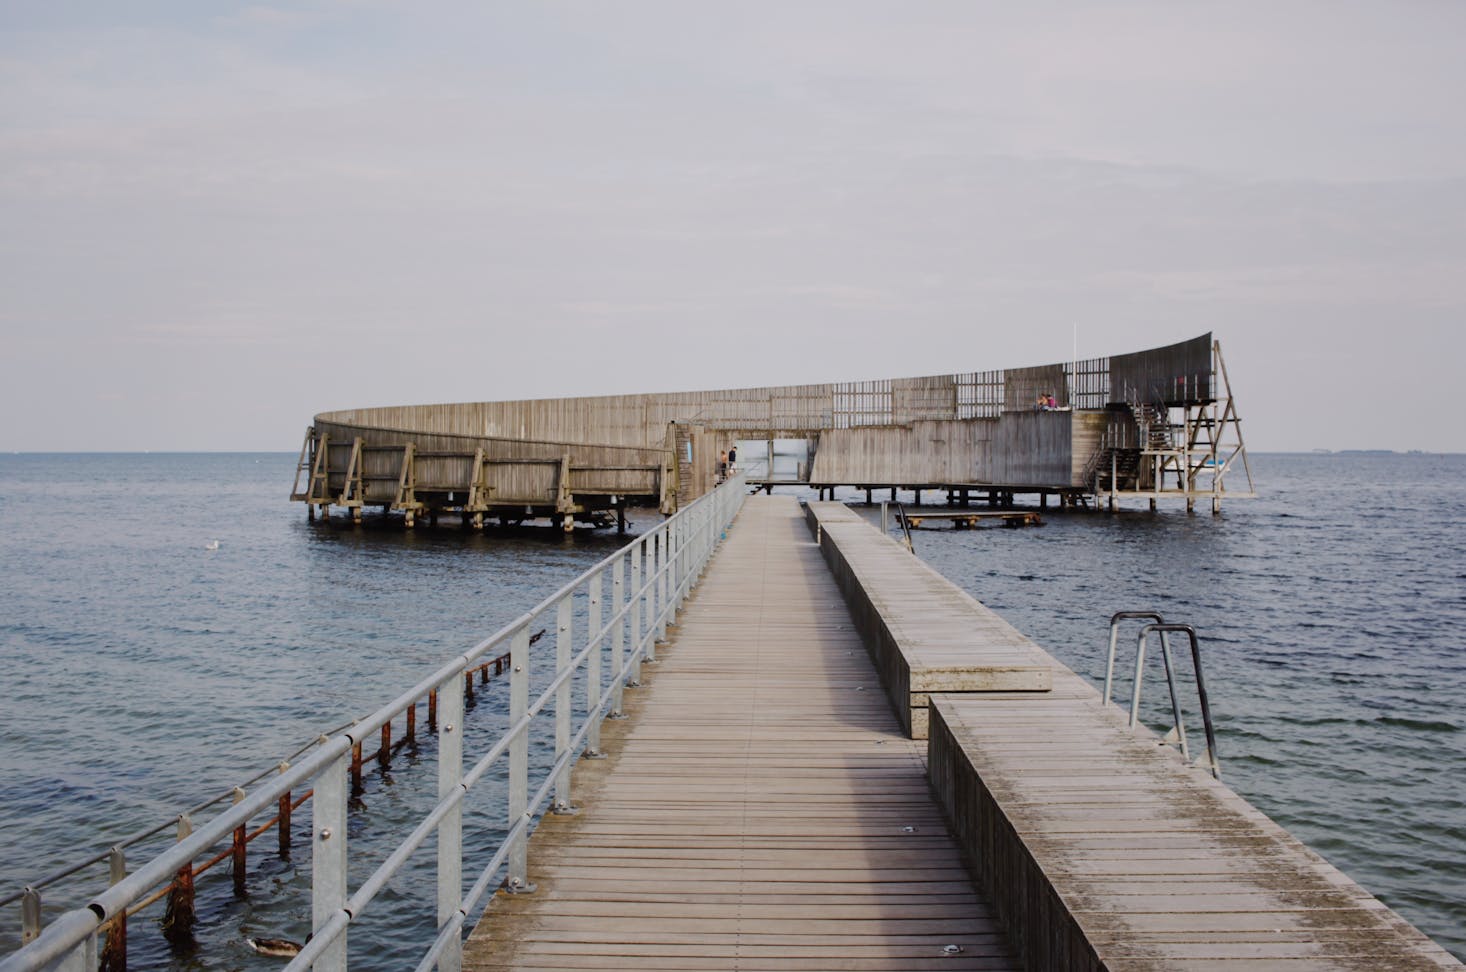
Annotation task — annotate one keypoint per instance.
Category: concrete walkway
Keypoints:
(760, 809)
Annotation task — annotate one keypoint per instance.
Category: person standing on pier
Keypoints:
(722, 466)
(732, 459)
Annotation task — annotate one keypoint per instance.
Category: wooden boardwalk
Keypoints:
(760, 808)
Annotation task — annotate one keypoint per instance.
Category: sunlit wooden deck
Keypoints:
(760, 809)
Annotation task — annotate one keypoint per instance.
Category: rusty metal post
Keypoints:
(114, 953)
(468, 685)
(239, 861)
(284, 825)
(411, 735)
(384, 754)
(356, 768)
(179, 916)
(433, 711)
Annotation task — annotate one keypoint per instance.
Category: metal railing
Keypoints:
(649, 580)
(1178, 733)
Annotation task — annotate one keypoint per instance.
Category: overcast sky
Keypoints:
(217, 219)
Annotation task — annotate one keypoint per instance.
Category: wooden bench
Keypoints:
(923, 633)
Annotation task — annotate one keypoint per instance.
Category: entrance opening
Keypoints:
(775, 460)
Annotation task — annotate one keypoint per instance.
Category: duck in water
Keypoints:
(278, 947)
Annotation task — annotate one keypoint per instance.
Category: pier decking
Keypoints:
(760, 809)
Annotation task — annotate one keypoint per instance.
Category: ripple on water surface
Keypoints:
(144, 671)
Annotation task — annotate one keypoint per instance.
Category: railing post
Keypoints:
(564, 651)
(81, 958)
(517, 880)
(450, 830)
(636, 602)
(663, 573)
(179, 914)
(114, 951)
(691, 544)
(239, 860)
(328, 857)
(650, 652)
(618, 635)
(282, 828)
(30, 915)
(593, 666)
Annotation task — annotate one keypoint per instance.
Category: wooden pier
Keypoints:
(762, 807)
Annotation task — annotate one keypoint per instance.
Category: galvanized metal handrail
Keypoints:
(142, 835)
(1115, 619)
(674, 553)
(1211, 736)
(1158, 624)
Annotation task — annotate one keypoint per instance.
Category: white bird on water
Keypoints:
(212, 545)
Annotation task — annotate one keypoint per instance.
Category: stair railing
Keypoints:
(1178, 732)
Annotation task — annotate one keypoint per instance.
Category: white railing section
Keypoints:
(649, 580)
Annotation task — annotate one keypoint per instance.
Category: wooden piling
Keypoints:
(179, 916)
(239, 860)
(284, 825)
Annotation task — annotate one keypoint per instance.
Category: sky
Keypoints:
(218, 219)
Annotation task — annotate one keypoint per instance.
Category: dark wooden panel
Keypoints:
(1174, 375)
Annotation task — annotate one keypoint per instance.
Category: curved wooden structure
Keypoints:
(1152, 423)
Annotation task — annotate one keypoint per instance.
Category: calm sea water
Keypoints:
(143, 672)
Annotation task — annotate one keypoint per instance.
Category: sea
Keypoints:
(171, 626)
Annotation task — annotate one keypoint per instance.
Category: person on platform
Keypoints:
(1043, 403)
(732, 459)
(722, 466)
(1052, 402)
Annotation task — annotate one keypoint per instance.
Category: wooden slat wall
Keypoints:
(1086, 431)
(926, 452)
(1033, 448)
(795, 410)
(1022, 387)
(971, 427)
(1177, 374)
